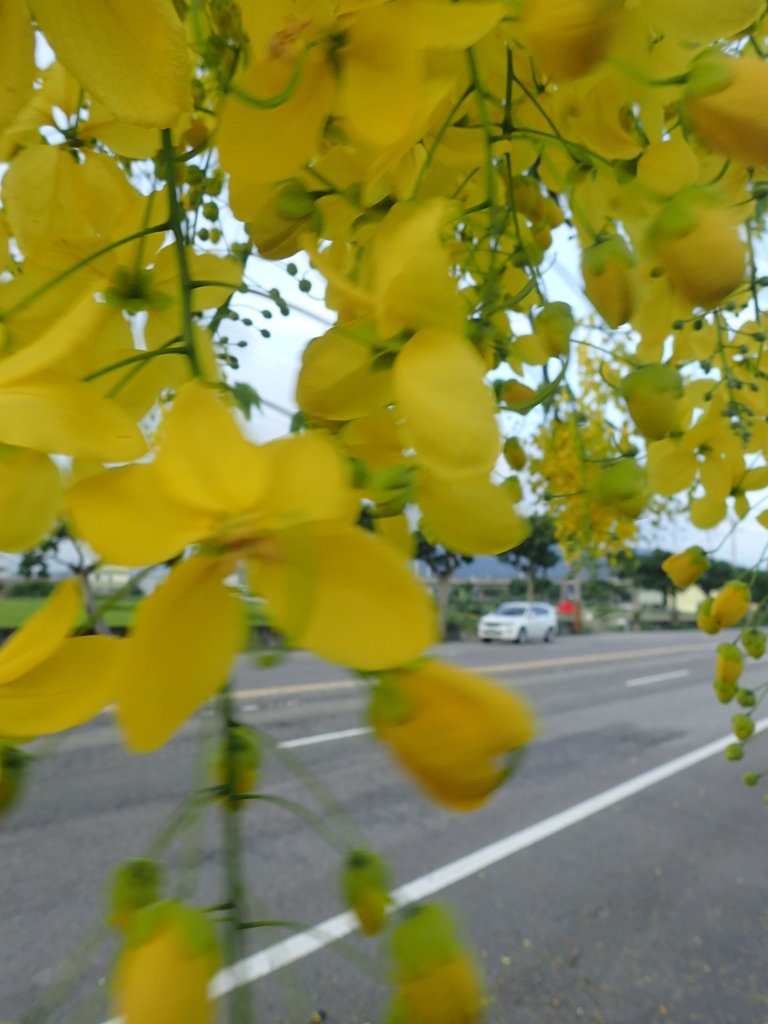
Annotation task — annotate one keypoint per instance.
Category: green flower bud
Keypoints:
(754, 641)
(743, 726)
(135, 884)
(734, 752)
(365, 888)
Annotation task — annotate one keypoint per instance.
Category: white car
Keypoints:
(519, 621)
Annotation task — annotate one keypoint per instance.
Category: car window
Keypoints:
(510, 609)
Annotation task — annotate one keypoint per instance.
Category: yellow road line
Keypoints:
(509, 666)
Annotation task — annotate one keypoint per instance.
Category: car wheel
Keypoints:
(522, 637)
(549, 636)
(486, 639)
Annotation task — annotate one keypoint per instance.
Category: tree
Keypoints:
(536, 553)
(416, 163)
(443, 564)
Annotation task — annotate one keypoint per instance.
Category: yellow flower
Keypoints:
(436, 980)
(368, 66)
(652, 394)
(365, 888)
(285, 511)
(99, 42)
(163, 973)
(48, 681)
(724, 105)
(451, 730)
(731, 604)
(729, 664)
(704, 619)
(686, 567)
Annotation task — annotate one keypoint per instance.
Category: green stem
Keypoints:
(33, 296)
(235, 888)
(315, 821)
(140, 357)
(177, 220)
(113, 599)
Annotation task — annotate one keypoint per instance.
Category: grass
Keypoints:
(14, 611)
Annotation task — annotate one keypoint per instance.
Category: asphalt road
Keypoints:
(584, 901)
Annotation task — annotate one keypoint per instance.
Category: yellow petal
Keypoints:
(204, 461)
(450, 729)
(449, 411)
(51, 412)
(59, 209)
(17, 68)
(382, 76)
(129, 519)
(42, 633)
(471, 516)
(435, 25)
(412, 284)
(338, 379)
(30, 496)
(308, 482)
(261, 146)
(702, 21)
(70, 687)
(58, 341)
(131, 57)
(162, 976)
(186, 636)
(361, 605)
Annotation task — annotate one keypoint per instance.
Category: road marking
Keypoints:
(507, 666)
(323, 737)
(281, 954)
(660, 678)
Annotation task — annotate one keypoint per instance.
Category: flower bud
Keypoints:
(652, 394)
(704, 620)
(623, 487)
(457, 733)
(732, 603)
(608, 281)
(235, 763)
(514, 454)
(725, 692)
(685, 568)
(699, 247)
(754, 642)
(746, 698)
(165, 967)
(436, 981)
(365, 885)
(724, 103)
(135, 884)
(729, 664)
(743, 726)
(734, 752)
(553, 325)
(751, 778)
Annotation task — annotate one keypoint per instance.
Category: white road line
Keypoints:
(322, 737)
(660, 678)
(261, 964)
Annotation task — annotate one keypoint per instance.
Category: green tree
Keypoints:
(443, 563)
(536, 554)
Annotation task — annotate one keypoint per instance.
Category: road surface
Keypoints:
(619, 878)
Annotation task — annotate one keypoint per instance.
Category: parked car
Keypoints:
(519, 621)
